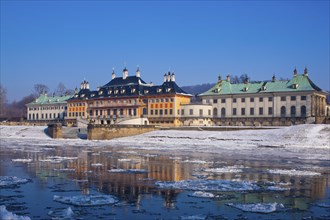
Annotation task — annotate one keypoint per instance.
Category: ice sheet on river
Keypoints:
(294, 172)
(7, 181)
(6, 215)
(88, 200)
(257, 207)
(209, 185)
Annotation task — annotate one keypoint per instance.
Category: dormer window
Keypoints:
(82, 95)
(116, 91)
(132, 90)
(110, 92)
(92, 95)
(168, 89)
(122, 91)
(76, 95)
(295, 86)
(263, 88)
(146, 91)
(100, 92)
(245, 89)
(159, 90)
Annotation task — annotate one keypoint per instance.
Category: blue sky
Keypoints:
(50, 42)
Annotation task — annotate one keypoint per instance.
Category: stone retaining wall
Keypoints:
(55, 130)
(107, 132)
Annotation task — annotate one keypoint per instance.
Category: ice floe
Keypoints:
(127, 171)
(209, 185)
(96, 165)
(22, 160)
(88, 200)
(192, 217)
(57, 159)
(196, 161)
(6, 215)
(257, 207)
(6, 181)
(66, 213)
(201, 194)
(65, 170)
(294, 172)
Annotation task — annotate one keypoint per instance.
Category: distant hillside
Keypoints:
(197, 89)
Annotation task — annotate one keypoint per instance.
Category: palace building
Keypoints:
(47, 108)
(273, 102)
(128, 100)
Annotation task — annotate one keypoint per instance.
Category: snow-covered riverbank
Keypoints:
(302, 141)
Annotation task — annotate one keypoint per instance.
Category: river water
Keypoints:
(66, 182)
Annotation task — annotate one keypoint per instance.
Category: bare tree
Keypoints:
(3, 102)
(60, 90)
(40, 89)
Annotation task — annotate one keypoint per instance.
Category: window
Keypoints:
(261, 111)
(234, 111)
(151, 112)
(171, 111)
(182, 111)
(283, 98)
(243, 111)
(101, 112)
(251, 111)
(178, 111)
(200, 112)
(270, 99)
(215, 100)
(96, 112)
(283, 111)
(144, 111)
(215, 112)
(161, 112)
(303, 98)
(108, 113)
(243, 99)
(209, 112)
(156, 112)
(191, 111)
(166, 111)
(90, 113)
(223, 100)
(293, 98)
(261, 99)
(303, 111)
(251, 99)
(223, 112)
(293, 111)
(234, 100)
(270, 110)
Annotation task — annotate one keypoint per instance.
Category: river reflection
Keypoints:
(131, 176)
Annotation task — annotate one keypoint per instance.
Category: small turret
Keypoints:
(173, 77)
(168, 76)
(125, 73)
(228, 78)
(165, 77)
(219, 78)
(295, 72)
(138, 74)
(273, 78)
(305, 71)
(113, 75)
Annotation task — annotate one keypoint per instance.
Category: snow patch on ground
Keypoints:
(294, 172)
(90, 200)
(6, 215)
(257, 207)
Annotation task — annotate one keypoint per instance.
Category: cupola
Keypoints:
(113, 75)
(125, 73)
(138, 74)
(305, 71)
(173, 77)
(295, 72)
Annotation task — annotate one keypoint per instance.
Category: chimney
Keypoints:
(138, 74)
(173, 77)
(125, 73)
(228, 78)
(87, 85)
(219, 78)
(81, 86)
(165, 77)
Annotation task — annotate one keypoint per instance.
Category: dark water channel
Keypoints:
(132, 178)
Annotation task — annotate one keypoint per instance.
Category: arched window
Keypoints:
(303, 111)
(215, 112)
(37, 116)
(283, 111)
(33, 117)
(293, 111)
(29, 116)
(223, 112)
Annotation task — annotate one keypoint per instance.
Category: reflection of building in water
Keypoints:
(129, 186)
